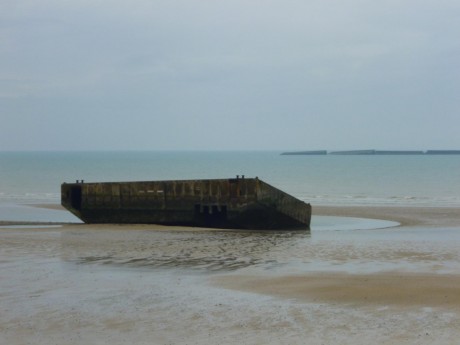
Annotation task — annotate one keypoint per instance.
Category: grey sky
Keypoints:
(184, 74)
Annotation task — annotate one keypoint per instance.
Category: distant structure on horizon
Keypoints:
(443, 152)
(372, 152)
(376, 152)
(318, 152)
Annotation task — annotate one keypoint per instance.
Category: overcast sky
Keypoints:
(233, 74)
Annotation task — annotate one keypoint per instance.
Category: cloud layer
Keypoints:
(229, 74)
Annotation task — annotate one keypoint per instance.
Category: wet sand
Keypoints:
(146, 284)
(396, 289)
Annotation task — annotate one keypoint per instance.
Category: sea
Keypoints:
(28, 178)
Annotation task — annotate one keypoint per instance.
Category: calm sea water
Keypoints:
(35, 177)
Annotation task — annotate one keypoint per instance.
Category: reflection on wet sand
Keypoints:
(197, 250)
(360, 251)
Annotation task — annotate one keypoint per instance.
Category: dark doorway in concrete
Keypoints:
(210, 215)
(75, 197)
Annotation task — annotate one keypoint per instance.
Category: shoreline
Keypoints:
(407, 216)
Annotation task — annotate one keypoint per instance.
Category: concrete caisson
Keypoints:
(234, 203)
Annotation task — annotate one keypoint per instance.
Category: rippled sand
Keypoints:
(84, 284)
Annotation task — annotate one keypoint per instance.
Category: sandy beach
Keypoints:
(145, 284)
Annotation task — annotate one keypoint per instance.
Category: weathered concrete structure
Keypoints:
(236, 203)
(373, 152)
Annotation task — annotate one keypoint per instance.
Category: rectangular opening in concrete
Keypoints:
(75, 197)
(210, 215)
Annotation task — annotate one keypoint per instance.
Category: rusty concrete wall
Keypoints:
(166, 194)
(283, 202)
(238, 202)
